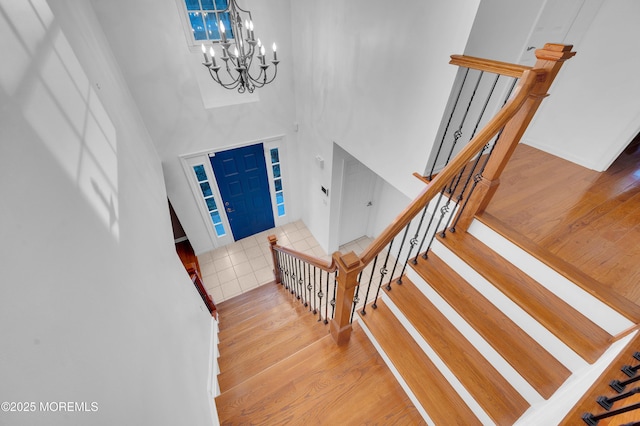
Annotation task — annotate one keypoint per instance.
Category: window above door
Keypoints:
(201, 20)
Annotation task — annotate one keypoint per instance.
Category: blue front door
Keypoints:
(244, 186)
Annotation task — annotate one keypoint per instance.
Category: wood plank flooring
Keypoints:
(588, 219)
(305, 378)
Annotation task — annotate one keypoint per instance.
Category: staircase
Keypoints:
(280, 366)
(481, 332)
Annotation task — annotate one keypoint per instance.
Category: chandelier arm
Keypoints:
(232, 85)
(264, 82)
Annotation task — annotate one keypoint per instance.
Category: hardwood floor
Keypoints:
(588, 219)
(303, 378)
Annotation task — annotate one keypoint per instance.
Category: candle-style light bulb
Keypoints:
(213, 55)
(275, 55)
(246, 25)
(251, 29)
(235, 51)
(259, 43)
(204, 53)
(223, 32)
(262, 55)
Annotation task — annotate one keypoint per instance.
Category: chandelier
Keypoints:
(238, 53)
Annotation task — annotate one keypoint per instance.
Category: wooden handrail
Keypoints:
(522, 91)
(312, 260)
(197, 282)
(328, 266)
(488, 65)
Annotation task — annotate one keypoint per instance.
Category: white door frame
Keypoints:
(202, 157)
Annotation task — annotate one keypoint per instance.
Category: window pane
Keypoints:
(215, 217)
(197, 26)
(192, 4)
(200, 173)
(281, 210)
(224, 17)
(220, 230)
(212, 26)
(207, 5)
(276, 170)
(221, 5)
(278, 184)
(275, 158)
(211, 204)
(206, 189)
(279, 198)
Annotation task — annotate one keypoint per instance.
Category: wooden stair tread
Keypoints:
(604, 293)
(308, 385)
(245, 360)
(240, 307)
(500, 400)
(439, 399)
(570, 326)
(264, 322)
(537, 366)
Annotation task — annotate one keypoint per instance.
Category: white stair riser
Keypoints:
(486, 350)
(600, 313)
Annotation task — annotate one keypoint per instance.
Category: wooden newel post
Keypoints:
(349, 266)
(550, 59)
(274, 256)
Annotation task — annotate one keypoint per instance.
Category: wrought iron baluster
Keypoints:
(426, 231)
(366, 295)
(383, 272)
(333, 301)
(320, 296)
(443, 211)
(299, 275)
(619, 386)
(303, 283)
(607, 403)
(444, 134)
(458, 133)
(309, 286)
(315, 304)
(287, 261)
(393, 271)
(592, 420)
(629, 370)
(283, 276)
(356, 298)
(414, 241)
(326, 302)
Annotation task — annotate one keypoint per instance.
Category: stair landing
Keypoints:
(312, 380)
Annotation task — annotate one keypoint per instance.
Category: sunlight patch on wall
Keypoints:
(60, 104)
(22, 29)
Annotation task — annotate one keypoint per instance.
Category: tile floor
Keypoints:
(247, 264)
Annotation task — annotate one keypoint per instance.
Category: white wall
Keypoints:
(94, 303)
(374, 79)
(162, 74)
(594, 110)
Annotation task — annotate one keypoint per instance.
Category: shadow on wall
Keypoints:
(47, 82)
